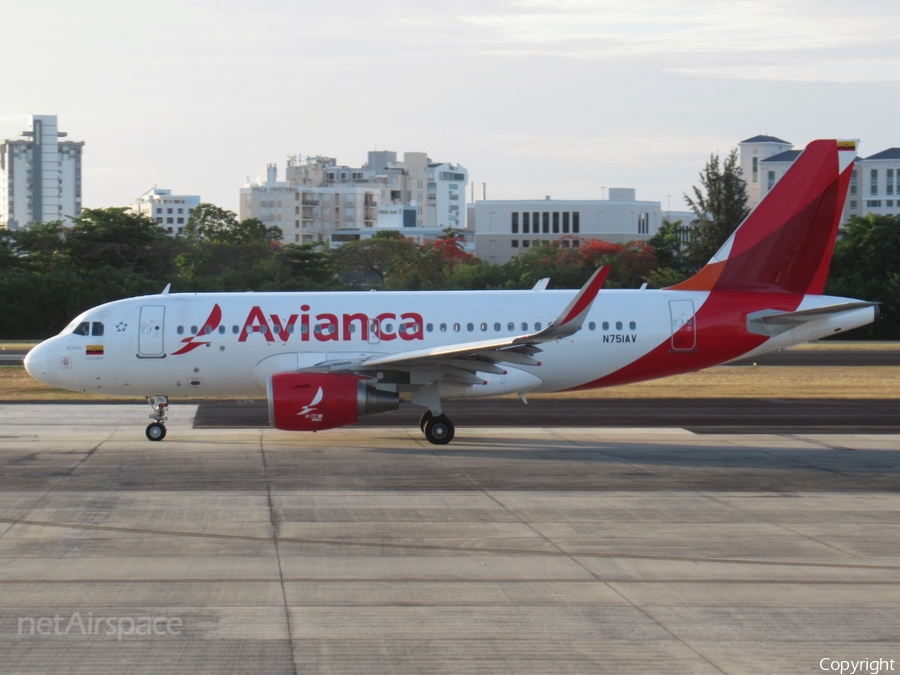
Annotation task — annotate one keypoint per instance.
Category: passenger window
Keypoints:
(606, 325)
(235, 330)
(207, 329)
(618, 325)
(470, 327)
(97, 328)
(304, 330)
(83, 328)
(483, 327)
(632, 325)
(524, 325)
(193, 330)
(429, 327)
(456, 327)
(592, 325)
(221, 330)
(510, 326)
(443, 328)
(537, 325)
(180, 330)
(497, 327)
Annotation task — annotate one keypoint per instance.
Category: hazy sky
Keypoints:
(534, 97)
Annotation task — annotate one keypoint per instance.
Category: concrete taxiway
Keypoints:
(367, 550)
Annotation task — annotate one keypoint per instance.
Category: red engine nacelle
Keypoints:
(317, 401)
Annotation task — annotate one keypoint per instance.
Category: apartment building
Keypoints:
(874, 183)
(320, 196)
(40, 176)
(171, 212)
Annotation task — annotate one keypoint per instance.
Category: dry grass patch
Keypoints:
(876, 382)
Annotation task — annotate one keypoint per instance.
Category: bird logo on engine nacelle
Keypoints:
(311, 406)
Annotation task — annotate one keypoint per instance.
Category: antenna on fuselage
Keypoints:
(166, 289)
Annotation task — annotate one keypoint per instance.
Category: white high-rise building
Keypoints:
(170, 212)
(319, 196)
(40, 176)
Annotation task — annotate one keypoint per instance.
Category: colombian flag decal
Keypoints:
(94, 350)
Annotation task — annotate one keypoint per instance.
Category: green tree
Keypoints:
(117, 238)
(387, 260)
(720, 205)
(212, 224)
(308, 267)
(41, 246)
(866, 265)
(220, 252)
(671, 255)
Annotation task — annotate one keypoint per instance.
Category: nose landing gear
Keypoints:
(156, 431)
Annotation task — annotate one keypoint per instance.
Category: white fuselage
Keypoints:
(178, 346)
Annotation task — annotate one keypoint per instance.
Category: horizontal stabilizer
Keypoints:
(773, 321)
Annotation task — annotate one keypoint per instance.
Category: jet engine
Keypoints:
(317, 401)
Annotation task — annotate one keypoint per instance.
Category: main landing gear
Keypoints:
(438, 429)
(156, 431)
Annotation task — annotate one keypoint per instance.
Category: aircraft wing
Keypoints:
(567, 323)
(460, 361)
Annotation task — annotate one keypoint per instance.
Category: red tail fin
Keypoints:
(786, 242)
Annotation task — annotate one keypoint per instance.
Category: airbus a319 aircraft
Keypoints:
(324, 359)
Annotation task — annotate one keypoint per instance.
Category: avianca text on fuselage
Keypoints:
(323, 327)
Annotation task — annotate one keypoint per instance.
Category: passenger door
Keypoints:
(150, 338)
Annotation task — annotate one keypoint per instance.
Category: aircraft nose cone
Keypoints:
(37, 363)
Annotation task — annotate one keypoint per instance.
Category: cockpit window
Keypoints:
(84, 328)
(96, 328)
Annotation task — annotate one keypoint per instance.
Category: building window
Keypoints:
(643, 223)
(515, 222)
(889, 182)
(873, 204)
(756, 169)
(565, 217)
(889, 203)
(770, 180)
(525, 243)
(525, 219)
(556, 222)
(853, 182)
(576, 222)
(546, 223)
(873, 182)
(515, 243)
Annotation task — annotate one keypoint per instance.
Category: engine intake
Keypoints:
(317, 401)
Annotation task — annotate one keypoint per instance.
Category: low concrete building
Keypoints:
(504, 228)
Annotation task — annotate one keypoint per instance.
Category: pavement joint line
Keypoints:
(274, 521)
(457, 580)
(455, 549)
(66, 474)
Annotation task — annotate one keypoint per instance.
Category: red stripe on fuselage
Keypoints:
(721, 325)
